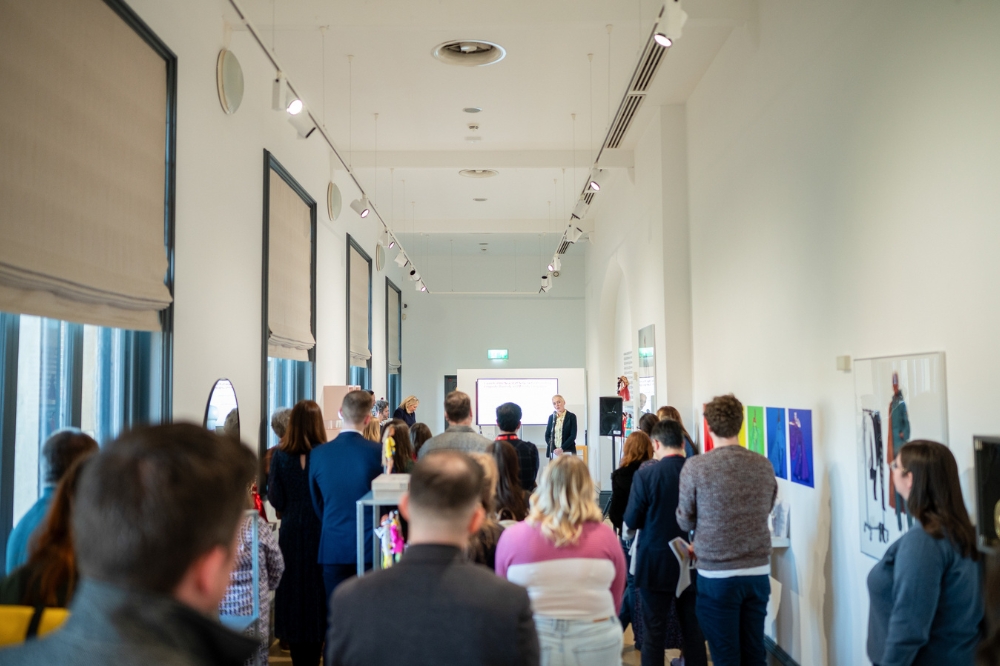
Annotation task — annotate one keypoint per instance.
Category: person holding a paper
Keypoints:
(662, 564)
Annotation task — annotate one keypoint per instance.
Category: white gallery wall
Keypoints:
(842, 161)
(443, 332)
(220, 169)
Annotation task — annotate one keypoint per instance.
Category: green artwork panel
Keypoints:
(755, 430)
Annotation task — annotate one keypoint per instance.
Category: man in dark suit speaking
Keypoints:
(454, 612)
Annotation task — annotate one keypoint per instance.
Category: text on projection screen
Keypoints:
(534, 396)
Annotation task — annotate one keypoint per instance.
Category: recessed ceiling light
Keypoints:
(479, 199)
(469, 52)
(472, 109)
(478, 173)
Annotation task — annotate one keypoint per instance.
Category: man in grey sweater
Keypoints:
(460, 435)
(726, 496)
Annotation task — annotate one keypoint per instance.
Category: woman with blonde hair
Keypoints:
(572, 565)
(407, 410)
(482, 547)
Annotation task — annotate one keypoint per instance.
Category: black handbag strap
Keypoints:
(36, 620)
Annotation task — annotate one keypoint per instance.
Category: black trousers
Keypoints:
(655, 610)
(305, 654)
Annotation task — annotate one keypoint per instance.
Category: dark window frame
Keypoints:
(351, 243)
(10, 323)
(399, 338)
(272, 164)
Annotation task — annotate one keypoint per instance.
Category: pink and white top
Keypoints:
(584, 581)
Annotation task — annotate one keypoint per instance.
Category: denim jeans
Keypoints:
(579, 642)
(731, 613)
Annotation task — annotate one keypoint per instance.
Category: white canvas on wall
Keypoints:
(898, 399)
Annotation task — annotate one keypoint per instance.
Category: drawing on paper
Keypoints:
(800, 446)
(898, 398)
(755, 429)
(776, 441)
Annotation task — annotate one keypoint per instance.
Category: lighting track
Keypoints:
(635, 94)
(319, 126)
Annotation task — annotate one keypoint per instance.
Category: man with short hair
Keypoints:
(155, 522)
(652, 508)
(60, 451)
(460, 435)
(455, 612)
(340, 473)
(509, 422)
(726, 496)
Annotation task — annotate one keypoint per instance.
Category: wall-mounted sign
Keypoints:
(496, 354)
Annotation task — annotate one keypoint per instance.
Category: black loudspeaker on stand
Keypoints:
(611, 424)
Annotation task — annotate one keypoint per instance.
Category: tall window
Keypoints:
(359, 316)
(86, 261)
(393, 343)
(289, 295)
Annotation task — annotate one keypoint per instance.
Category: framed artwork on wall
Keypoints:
(898, 399)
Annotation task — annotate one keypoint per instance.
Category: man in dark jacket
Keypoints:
(652, 508)
(509, 422)
(455, 612)
(340, 473)
(154, 528)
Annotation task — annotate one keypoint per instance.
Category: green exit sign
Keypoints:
(496, 354)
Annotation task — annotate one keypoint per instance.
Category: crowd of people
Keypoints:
(508, 560)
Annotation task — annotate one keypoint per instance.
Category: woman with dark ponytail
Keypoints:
(926, 592)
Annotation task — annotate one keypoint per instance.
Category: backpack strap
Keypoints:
(36, 621)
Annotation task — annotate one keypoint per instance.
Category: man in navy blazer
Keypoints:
(341, 473)
(652, 509)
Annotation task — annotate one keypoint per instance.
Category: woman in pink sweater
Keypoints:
(573, 567)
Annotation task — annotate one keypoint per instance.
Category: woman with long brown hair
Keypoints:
(511, 504)
(401, 458)
(49, 577)
(668, 412)
(300, 601)
(926, 592)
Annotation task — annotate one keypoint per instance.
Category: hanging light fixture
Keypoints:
(546, 285)
(401, 259)
(597, 178)
(414, 275)
(361, 207)
(278, 92)
(663, 40)
(580, 210)
(573, 233)
(555, 266)
(383, 238)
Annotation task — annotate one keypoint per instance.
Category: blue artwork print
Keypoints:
(776, 441)
(800, 446)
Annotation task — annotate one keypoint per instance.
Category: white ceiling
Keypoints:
(527, 98)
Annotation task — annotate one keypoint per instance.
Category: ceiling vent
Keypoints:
(478, 173)
(641, 78)
(469, 52)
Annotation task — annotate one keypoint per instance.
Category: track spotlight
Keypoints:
(663, 40)
(546, 285)
(555, 266)
(392, 242)
(573, 233)
(360, 207)
(401, 259)
(414, 275)
(674, 22)
(383, 238)
(597, 178)
(420, 286)
(294, 106)
(580, 211)
(303, 124)
(278, 92)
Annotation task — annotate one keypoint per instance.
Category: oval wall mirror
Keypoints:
(222, 414)
(379, 257)
(333, 201)
(229, 78)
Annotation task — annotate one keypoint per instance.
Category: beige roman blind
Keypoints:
(83, 103)
(392, 325)
(289, 273)
(358, 308)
